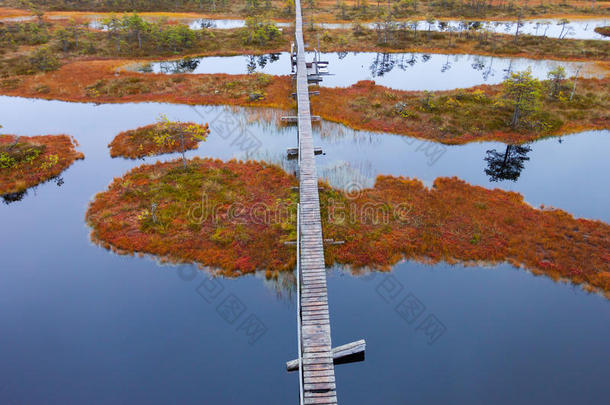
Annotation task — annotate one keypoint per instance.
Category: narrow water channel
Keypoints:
(402, 71)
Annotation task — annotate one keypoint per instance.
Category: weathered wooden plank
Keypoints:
(319, 386)
(326, 397)
(338, 353)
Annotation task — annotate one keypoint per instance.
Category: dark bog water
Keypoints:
(403, 71)
(82, 325)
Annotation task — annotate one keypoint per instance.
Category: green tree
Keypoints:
(63, 37)
(114, 26)
(259, 31)
(556, 77)
(167, 133)
(43, 60)
(136, 26)
(523, 93)
(177, 37)
(76, 31)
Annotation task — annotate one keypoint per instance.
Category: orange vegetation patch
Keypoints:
(13, 12)
(157, 139)
(463, 115)
(457, 222)
(28, 161)
(605, 31)
(188, 215)
(98, 81)
(236, 216)
(453, 117)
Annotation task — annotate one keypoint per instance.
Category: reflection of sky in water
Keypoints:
(577, 29)
(404, 71)
(102, 328)
(557, 174)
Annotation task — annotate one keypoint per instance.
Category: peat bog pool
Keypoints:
(401, 71)
(582, 28)
(552, 28)
(83, 325)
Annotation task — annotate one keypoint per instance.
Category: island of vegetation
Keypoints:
(519, 110)
(28, 161)
(236, 217)
(188, 215)
(605, 31)
(163, 137)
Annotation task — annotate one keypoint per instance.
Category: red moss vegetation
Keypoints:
(456, 222)
(28, 161)
(236, 216)
(189, 215)
(605, 31)
(157, 139)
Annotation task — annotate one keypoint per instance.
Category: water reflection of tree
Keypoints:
(383, 63)
(13, 197)
(507, 165)
(509, 69)
(187, 65)
(386, 62)
(478, 63)
(204, 24)
(283, 284)
(489, 71)
(446, 66)
(261, 61)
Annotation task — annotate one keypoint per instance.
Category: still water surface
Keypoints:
(403, 71)
(82, 325)
(552, 28)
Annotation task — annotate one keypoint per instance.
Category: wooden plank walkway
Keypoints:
(318, 371)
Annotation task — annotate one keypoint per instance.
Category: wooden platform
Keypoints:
(318, 373)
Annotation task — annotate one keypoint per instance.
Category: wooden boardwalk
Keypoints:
(317, 371)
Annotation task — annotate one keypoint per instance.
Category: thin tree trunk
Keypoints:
(574, 87)
(183, 151)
